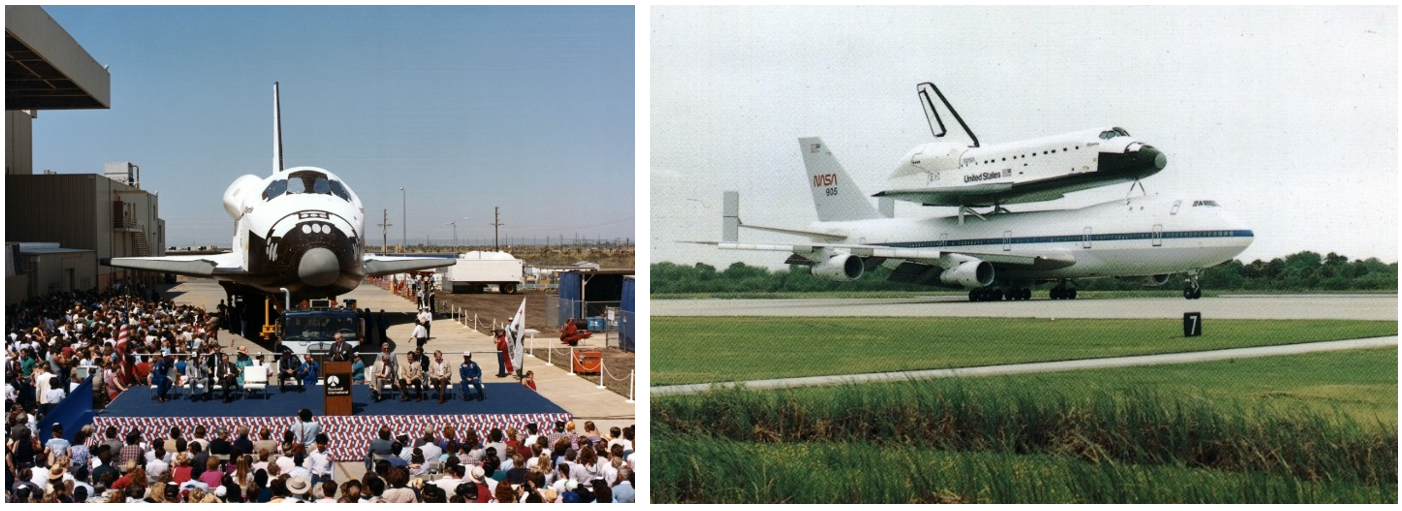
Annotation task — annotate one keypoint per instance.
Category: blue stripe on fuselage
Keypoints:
(1073, 238)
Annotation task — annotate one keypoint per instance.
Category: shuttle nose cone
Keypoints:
(1154, 156)
(319, 267)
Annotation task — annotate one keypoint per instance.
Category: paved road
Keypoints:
(1374, 307)
(1044, 367)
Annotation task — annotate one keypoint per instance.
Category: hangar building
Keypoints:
(52, 220)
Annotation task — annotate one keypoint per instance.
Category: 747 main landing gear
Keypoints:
(989, 294)
(1063, 292)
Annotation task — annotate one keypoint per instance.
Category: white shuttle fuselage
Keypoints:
(299, 231)
(1034, 170)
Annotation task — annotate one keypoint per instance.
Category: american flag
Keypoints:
(123, 334)
(813, 148)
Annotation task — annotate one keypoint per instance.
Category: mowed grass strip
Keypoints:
(688, 469)
(721, 349)
(1360, 384)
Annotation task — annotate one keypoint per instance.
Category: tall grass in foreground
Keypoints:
(707, 469)
(1098, 427)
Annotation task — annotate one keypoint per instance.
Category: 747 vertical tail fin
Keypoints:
(835, 195)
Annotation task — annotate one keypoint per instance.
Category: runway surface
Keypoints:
(1372, 307)
(1043, 367)
(1354, 307)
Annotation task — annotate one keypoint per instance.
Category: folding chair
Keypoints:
(255, 377)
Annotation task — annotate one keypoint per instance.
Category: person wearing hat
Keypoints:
(479, 478)
(471, 374)
(299, 487)
(242, 361)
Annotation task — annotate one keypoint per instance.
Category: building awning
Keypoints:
(46, 69)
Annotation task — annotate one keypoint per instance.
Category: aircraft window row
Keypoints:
(304, 183)
(1053, 151)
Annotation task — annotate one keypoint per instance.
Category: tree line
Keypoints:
(1302, 271)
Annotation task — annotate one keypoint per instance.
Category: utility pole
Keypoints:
(404, 217)
(384, 230)
(496, 232)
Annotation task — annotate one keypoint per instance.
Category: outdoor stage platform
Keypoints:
(507, 405)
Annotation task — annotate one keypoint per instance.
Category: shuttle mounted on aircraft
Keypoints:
(949, 173)
(301, 230)
(999, 258)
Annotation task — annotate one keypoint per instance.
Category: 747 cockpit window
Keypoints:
(1206, 203)
(1113, 132)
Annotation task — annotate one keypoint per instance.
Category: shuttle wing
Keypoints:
(376, 266)
(229, 263)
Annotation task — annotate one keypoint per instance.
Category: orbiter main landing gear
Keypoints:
(1192, 291)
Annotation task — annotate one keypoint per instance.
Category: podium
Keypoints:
(337, 388)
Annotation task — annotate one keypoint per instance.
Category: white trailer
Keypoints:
(475, 271)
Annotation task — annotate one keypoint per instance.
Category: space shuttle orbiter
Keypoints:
(947, 173)
(300, 229)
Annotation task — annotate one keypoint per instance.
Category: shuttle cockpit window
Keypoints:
(339, 190)
(275, 189)
(307, 182)
(1113, 132)
(1205, 203)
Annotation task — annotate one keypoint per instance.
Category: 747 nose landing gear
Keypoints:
(1192, 291)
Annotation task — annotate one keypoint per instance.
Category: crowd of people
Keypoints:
(129, 336)
(432, 465)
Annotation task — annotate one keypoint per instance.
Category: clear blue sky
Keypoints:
(527, 108)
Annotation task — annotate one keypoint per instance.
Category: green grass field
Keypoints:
(721, 349)
(692, 470)
(1318, 428)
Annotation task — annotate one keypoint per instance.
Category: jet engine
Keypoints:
(244, 188)
(1149, 280)
(840, 267)
(969, 273)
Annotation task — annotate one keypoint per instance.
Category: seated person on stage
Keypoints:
(287, 371)
(471, 374)
(386, 369)
(439, 375)
(411, 373)
(358, 371)
(309, 370)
